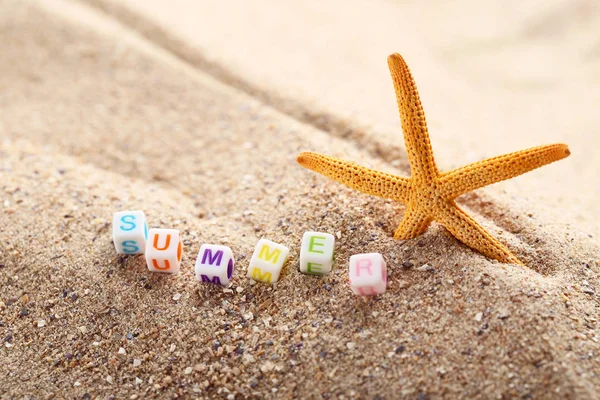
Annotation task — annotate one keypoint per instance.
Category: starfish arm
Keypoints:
(483, 173)
(413, 224)
(468, 231)
(412, 116)
(357, 177)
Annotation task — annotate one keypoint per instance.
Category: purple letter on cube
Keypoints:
(212, 260)
(215, 279)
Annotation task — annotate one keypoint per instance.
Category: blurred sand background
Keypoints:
(494, 76)
(195, 112)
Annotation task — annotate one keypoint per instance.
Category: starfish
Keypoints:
(428, 194)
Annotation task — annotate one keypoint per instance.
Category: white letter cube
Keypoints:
(130, 232)
(164, 250)
(214, 264)
(267, 260)
(316, 253)
(368, 274)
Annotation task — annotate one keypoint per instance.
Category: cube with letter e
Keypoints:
(316, 253)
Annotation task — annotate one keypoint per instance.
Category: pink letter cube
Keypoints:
(368, 274)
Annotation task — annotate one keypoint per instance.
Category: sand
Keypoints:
(97, 118)
(486, 71)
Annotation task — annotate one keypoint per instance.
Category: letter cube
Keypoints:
(368, 274)
(130, 232)
(316, 253)
(267, 260)
(214, 264)
(163, 250)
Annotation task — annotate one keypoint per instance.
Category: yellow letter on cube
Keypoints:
(267, 261)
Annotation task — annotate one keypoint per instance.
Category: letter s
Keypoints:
(124, 220)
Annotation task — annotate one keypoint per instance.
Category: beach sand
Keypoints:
(108, 108)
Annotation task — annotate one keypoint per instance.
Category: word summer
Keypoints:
(215, 264)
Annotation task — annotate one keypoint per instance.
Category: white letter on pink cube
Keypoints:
(368, 274)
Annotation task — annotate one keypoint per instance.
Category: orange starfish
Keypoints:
(429, 195)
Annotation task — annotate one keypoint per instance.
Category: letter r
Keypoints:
(367, 291)
(365, 264)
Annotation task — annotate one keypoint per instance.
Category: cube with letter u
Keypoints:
(164, 250)
(368, 274)
(214, 264)
(267, 261)
(130, 232)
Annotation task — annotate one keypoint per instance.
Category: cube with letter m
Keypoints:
(214, 264)
(267, 261)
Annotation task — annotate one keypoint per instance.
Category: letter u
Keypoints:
(167, 265)
(167, 242)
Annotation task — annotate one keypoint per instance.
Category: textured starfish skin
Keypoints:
(428, 194)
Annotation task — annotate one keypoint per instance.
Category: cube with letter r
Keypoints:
(267, 261)
(214, 264)
(368, 274)
(316, 253)
(130, 232)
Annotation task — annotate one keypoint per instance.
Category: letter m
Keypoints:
(267, 256)
(215, 279)
(258, 275)
(212, 260)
